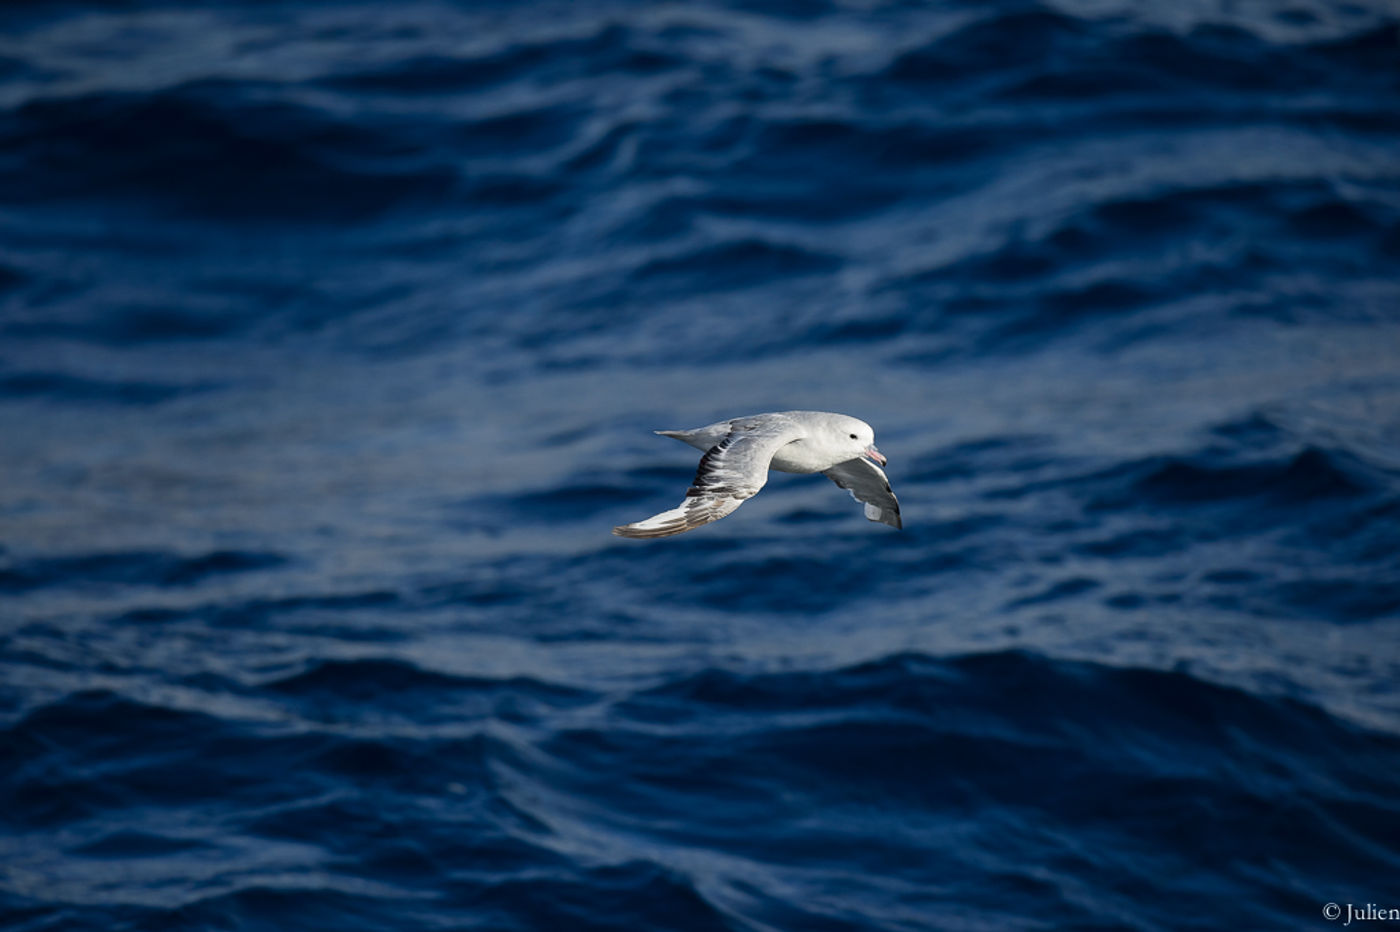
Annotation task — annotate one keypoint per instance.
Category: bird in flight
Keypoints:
(739, 452)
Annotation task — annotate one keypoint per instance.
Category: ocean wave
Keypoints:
(929, 742)
(130, 568)
(1061, 56)
(1310, 475)
(395, 685)
(63, 387)
(612, 48)
(265, 611)
(740, 263)
(206, 150)
(941, 741)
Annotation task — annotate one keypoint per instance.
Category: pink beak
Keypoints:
(875, 454)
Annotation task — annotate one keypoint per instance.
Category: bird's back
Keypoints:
(701, 438)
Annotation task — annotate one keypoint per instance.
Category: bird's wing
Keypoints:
(732, 470)
(867, 484)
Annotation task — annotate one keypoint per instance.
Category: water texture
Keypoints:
(331, 337)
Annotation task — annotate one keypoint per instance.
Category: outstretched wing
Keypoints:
(730, 472)
(867, 483)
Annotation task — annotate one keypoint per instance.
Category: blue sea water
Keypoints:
(331, 337)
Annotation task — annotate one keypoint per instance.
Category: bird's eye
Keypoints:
(853, 436)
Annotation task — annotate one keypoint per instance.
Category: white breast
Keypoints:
(801, 456)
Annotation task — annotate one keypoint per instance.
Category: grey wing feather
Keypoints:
(730, 472)
(867, 484)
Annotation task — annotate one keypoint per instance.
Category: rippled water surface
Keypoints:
(331, 339)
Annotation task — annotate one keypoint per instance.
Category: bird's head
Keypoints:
(858, 438)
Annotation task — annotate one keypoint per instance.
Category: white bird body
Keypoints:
(740, 451)
(806, 454)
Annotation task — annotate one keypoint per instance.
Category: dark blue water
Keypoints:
(331, 337)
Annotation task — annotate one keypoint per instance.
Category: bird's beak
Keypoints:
(875, 454)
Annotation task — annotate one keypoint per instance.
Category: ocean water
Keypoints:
(331, 340)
